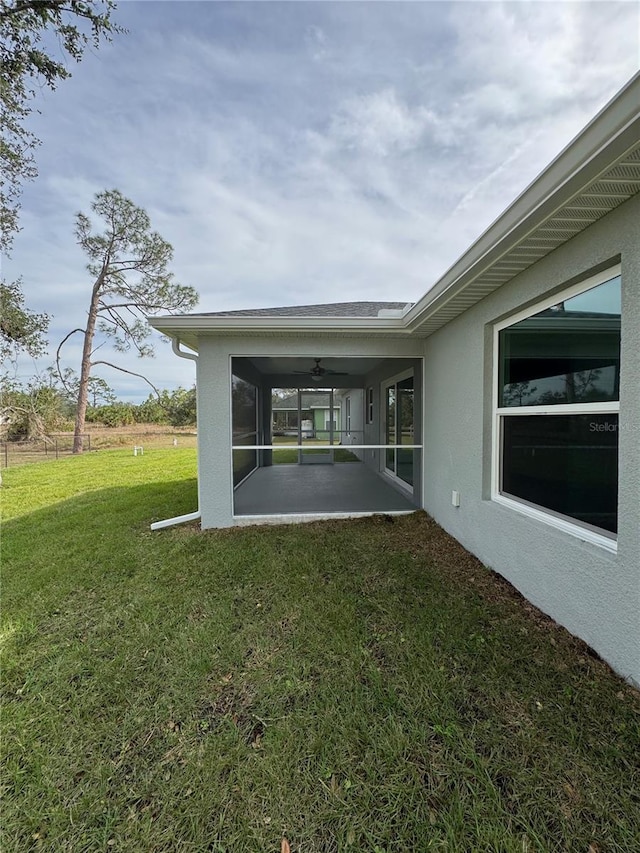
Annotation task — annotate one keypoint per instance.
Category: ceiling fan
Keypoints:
(317, 373)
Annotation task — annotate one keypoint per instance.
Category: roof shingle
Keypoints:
(331, 309)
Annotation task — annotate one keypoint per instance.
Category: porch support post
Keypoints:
(266, 420)
(330, 416)
(299, 425)
(215, 465)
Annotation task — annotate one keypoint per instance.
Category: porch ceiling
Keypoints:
(294, 371)
(274, 366)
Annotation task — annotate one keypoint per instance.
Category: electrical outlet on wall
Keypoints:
(455, 498)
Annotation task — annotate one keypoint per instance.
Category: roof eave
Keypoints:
(606, 139)
(489, 263)
(174, 325)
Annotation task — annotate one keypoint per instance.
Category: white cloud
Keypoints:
(381, 124)
(312, 152)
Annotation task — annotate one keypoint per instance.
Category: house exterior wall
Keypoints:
(215, 478)
(593, 592)
(356, 410)
(321, 418)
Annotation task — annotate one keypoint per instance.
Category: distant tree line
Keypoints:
(44, 405)
(173, 408)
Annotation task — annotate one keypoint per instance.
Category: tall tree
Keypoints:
(129, 266)
(30, 32)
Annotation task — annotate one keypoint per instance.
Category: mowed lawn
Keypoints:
(355, 685)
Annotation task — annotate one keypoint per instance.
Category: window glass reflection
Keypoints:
(568, 353)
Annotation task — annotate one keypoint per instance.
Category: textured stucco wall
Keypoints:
(356, 435)
(594, 593)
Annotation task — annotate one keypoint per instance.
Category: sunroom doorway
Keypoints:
(399, 426)
(307, 419)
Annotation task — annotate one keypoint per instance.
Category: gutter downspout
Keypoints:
(191, 516)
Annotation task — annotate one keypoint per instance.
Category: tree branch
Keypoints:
(130, 372)
(60, 345)
(105, 306)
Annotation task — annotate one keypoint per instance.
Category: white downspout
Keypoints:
(191, 516)
(175, 346)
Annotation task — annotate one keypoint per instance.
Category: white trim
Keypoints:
(495, 420)
(301, 517)
(327, 446)
(175, 324)
(561, 296)
(369, 405)
(558, 522)
(546, 516)
(384, 470)
(562, 409)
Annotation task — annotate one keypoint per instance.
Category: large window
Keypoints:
(557, 401)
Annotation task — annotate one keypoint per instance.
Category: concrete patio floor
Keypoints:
(342, 487)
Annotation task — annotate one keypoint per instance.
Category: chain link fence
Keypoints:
(58, 446)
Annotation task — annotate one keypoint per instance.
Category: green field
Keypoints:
(355, 685)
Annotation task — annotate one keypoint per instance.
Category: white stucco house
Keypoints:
(505, 402)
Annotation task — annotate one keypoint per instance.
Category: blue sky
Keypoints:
(308, 152)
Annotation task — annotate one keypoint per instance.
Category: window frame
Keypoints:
(384, 386)
(564, 523)
(369, 405)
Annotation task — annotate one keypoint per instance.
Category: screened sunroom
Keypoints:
(323, 436)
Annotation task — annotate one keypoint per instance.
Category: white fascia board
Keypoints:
(203, 324)
(613, 132)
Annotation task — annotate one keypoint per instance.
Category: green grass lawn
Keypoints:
(355, 685)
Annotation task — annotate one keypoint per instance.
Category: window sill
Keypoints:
(582, 533)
